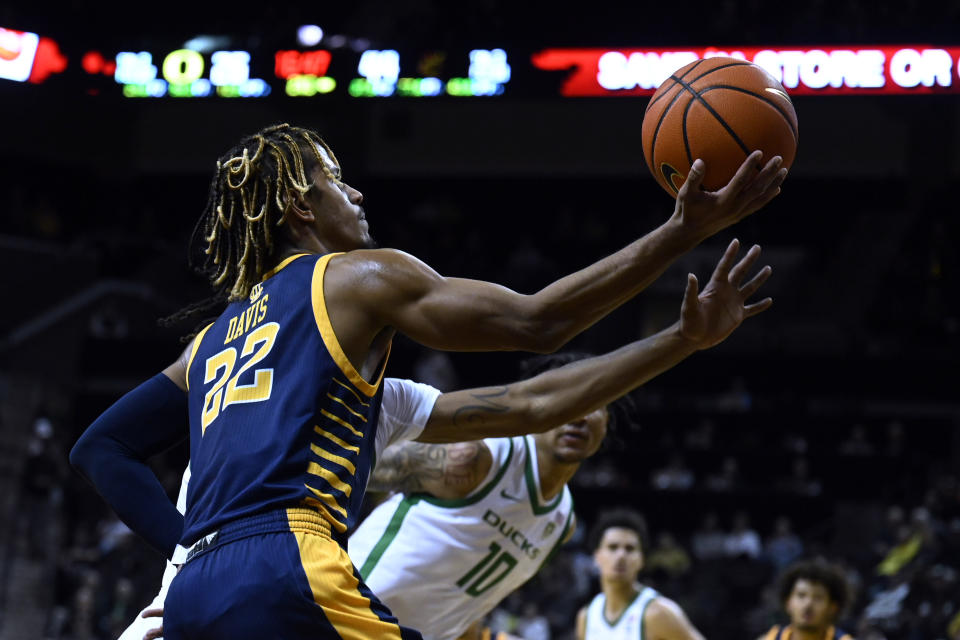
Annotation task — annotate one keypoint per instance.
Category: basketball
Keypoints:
(717, 109)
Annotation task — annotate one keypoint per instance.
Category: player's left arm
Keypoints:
(446, 471)
(665, 620)
(112, 454)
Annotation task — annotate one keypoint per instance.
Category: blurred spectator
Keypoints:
(799, 481)
(113, 533)
(908, 545)
(122, 609)
(700, 438)
(894, 444)
(886, 606)
(727, 479)
(83, 612)
(736, 399)
(887, 536)
(601, 471)
(676, 476)
(783, 546)
(44, 472)
(667, 556)
(857, 443)
(708, 542)
(793, 442)
(436, 369)
(742, 540)
(531, 625)
(953, 629)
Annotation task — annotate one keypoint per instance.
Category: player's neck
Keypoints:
(619, 594)
(553, 473)
(301, 239)
(808, 634)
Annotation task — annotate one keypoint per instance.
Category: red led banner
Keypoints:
(861, 70)
(26, 56)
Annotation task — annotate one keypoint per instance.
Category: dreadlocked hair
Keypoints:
(233, 240)
(622, 418)
(232, 244)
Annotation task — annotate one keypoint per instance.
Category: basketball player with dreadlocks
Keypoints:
(448, 520)
(283, 389)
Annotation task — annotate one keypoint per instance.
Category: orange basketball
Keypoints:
(719, 110)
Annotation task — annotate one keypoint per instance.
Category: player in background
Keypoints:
(281, 452)
(813, 594)
(626, 609)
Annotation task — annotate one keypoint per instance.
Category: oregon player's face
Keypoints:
(577, 440)
(619, 556)
(340, 220)
(809, 606)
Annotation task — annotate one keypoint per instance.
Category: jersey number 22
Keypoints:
(217, 398)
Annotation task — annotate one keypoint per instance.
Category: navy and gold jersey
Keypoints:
(786, 633)
(278, 415)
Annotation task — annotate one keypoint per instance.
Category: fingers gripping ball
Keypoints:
(718, 109)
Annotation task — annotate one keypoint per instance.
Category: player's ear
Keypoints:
(296, 205)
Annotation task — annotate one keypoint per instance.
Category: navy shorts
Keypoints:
(275, 575)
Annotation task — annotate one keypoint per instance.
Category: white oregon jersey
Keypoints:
(440, 565)
(629, 626)
(404, 413)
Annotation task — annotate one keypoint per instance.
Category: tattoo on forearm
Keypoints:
(416, 467)
(476, 413)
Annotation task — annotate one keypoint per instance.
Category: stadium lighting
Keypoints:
(309, 35)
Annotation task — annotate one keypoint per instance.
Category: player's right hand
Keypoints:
(752, 187)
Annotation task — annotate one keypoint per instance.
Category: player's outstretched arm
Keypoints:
(561, 395)
(386, 288)
(665, 620)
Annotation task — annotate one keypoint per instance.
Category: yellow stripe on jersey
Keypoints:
(336, 590)
(322, 508)
(322, 318)
(193, 352)
(329, 502)
(347, 387)
(280, 266)
(337, 441)
(336, 399)
(332, 479)
(340, 421)
(340, 460)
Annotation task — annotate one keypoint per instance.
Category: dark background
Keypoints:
(99, 194)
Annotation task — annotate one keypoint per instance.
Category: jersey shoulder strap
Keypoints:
(774, 633)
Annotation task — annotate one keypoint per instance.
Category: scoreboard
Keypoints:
(212, 69)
